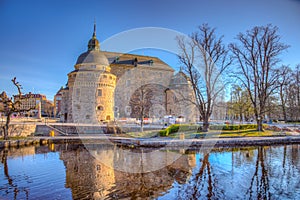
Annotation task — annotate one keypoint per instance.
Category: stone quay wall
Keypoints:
(21, 130)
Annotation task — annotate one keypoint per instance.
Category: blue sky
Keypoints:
(41, 40)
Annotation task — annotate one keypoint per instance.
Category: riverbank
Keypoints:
(152, 142)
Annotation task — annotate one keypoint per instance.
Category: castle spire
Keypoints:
(94, 43)
(94, 34)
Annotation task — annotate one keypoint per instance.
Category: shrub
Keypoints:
(174, 128)
(163, 133)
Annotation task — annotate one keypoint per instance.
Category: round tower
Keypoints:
(91, 86)
(105, 96)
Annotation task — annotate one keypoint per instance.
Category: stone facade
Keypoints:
(34, 105)
(21, 130)
(108, 85)
(57, 103)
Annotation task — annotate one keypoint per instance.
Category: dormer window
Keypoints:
(135, 62)
(151, 62)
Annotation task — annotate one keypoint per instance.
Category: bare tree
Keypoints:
(292, 95)
(204, 59)
(140, 102)
(240, 105)
(10, 107)
(284, 80)
(257, 56)
(296, 88)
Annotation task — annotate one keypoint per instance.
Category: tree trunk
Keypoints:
(5, 133)
(259, 125)
(283, 103)
(142, 124)
(284, 113)
(205, 124)
(6, 127)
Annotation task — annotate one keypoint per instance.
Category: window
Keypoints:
(151, 62)
(107, 117)
(127, 82)
(100, 108)
(99, 92)
(128, 110)
(77, 92)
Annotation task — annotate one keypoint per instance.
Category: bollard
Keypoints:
(181, 136)
(51, 133)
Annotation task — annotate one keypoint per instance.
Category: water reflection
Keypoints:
(73, 173)
(90, 178)
(11, 186)
(251, 173)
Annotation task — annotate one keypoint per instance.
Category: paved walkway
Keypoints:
(161, 141)
(154, 142)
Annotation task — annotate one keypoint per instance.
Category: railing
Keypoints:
(56, 129)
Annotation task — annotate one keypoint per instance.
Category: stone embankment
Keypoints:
(155, 142)
(23, 142)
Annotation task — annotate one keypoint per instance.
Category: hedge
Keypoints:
(177, 127)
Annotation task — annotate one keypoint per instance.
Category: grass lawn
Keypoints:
(209, 134)
(232, 133)
(145, 134)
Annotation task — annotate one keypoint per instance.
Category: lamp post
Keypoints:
(258, 124)
(166, 99)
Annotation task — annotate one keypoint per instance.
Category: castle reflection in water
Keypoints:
(93, 171)
(93, 178)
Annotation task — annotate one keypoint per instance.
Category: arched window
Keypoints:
(108, 117)
(100, 108)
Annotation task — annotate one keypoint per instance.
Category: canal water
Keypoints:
(70, 171)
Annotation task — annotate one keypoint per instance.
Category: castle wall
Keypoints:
(130, 85)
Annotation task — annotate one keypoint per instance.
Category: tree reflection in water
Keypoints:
(259, 184)
(247, 173)
(12, 186)
(202, 185)
(226, 173)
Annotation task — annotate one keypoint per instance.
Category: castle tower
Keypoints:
(105, 96)
(91, 86)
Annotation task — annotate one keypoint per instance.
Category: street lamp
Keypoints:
(258, 124)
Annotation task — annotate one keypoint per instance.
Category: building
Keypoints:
(1, 108)
(108, 85)
(30, 103)
(47, 108)
(57, 103)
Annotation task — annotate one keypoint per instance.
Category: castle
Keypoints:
(105, 86)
